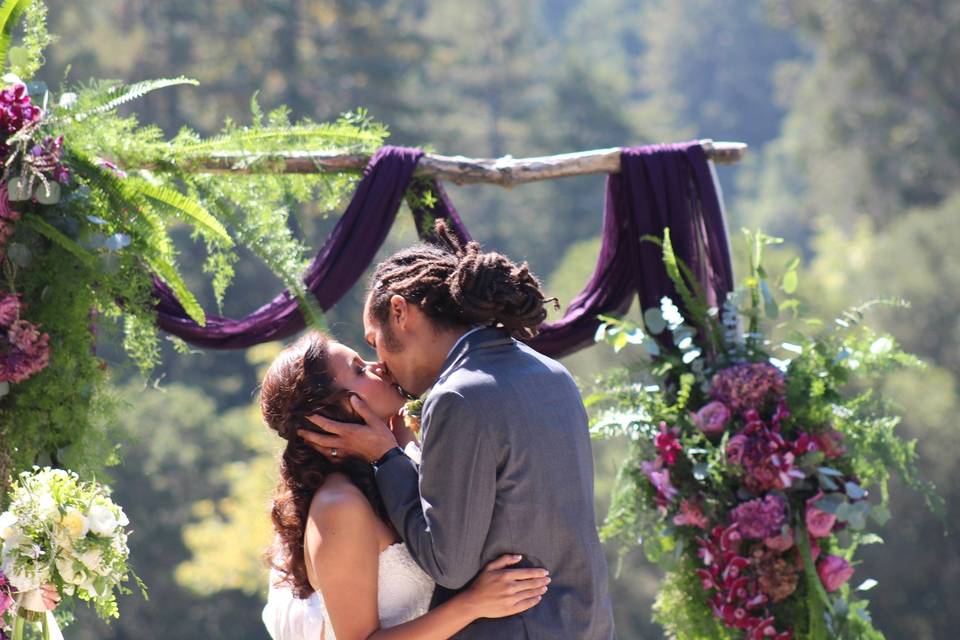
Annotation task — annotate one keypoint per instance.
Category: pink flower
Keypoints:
(24, 351)
(660, 478)
(6, 598)
(761, 518)
(9, 309)
(747, 386)
(736, 447)
(819, 523)
(668, 446)
(690, 514)
(781, 542)
(834, 571)
(712, 419)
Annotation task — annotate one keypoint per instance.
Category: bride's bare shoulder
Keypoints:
(339, 503)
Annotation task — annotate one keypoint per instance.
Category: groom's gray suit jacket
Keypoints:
(506, 468)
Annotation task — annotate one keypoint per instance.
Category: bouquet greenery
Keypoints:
(61, 531)
(756, 464)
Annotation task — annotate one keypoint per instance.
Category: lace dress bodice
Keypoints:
(404, 593)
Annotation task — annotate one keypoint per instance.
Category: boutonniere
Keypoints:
(411, 413)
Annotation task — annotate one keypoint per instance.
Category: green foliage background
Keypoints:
(850, 108)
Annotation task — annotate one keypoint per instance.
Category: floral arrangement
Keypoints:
(89, 202)
(412, 411)
(756, 465)
(61, 531)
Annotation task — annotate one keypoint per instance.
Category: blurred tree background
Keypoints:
(852, 111)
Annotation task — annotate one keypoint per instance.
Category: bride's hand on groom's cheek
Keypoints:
(367, 441)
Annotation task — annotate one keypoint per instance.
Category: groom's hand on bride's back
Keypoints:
(343, 439)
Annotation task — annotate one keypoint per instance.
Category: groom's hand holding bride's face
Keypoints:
(367, 441)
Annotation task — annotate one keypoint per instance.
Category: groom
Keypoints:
(506, 463)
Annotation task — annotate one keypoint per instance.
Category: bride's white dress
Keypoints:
(404, 594)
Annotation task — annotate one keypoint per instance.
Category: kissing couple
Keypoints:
(484, 529)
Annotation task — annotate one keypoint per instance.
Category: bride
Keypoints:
(338, 568)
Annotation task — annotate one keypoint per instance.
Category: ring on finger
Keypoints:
(334, 453)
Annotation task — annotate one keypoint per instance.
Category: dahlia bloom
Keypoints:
(761, 518)
(748, 386)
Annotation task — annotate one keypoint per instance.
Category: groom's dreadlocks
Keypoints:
(457, 285)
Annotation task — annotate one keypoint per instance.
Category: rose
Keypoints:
(736, 447)
(69, 571)
(712, 419)
(75, 524)
(819, 523)
(103, 521)
(91, 559)
(834, 571)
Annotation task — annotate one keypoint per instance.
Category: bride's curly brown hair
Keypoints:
(298, 384)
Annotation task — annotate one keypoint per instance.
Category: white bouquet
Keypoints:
(60, 531)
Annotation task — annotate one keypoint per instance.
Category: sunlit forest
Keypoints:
(850, 108)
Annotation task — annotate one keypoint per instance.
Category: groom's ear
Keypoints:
(399, 311)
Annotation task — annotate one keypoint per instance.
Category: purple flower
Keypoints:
(24, 352)
(712, 419)
(660, 478)
(9, 309)
(753, 385)
(761, 518)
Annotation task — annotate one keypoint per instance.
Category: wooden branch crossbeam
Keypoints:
(506, 171)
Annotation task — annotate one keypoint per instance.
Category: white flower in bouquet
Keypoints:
(66, 532)
(75, 524)
(7, 523)
(70, 571)
(103, 521)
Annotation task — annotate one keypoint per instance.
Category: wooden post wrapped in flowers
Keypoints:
(754, 464)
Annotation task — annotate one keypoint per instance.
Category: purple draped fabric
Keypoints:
(659, 186)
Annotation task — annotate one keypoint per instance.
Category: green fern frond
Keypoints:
(199, 216)
(133, 92)
(168, 273)
(10, 13)
(35, 40)
(50, 232)
(299, 137)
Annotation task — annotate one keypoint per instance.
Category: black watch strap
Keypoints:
(392, 453)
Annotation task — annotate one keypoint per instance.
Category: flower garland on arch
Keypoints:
(753, 473)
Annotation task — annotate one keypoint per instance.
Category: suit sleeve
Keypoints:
(445, 523)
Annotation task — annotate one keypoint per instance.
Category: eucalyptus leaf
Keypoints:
(827, 471)
(854, 490)
(652, 347)
(48, 193)
(17, 190)
(653, 319)
(19, 254)
(117, 241)
(700, 471)
(831, 502)
(4, 388)
(827, 483)
(880, 514)
(769, 303)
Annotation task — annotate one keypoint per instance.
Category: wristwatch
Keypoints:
(382, 460)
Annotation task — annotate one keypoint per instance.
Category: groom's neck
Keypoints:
(442, 343)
